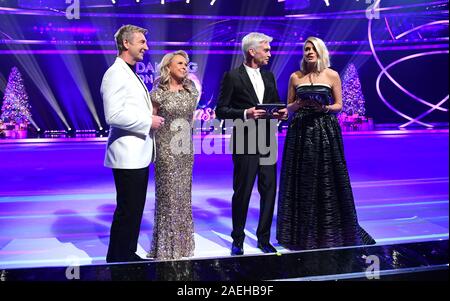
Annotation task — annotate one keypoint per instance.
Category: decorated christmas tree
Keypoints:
(352, 96)
(15, 108)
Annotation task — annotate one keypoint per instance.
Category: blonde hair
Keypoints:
(125, 33)
(323, 57)
(253, 41)
(163, 81)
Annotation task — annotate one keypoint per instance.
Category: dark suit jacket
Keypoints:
(237, 94)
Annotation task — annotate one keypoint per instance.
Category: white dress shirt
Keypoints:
(258, 84)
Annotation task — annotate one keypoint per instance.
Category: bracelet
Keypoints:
(325, 109)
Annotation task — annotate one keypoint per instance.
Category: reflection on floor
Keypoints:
(57, 201)
(411, 261)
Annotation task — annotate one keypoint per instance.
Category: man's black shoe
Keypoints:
(237, 250)
(267, 248)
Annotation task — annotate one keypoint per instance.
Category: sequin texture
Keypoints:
(173, 229)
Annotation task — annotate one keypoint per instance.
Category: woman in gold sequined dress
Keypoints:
(175, 98)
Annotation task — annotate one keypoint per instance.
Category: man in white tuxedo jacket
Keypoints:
(130, 148)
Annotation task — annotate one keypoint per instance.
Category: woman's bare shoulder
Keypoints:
(332, 74)
(297, 75)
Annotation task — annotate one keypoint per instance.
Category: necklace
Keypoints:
(310, 79)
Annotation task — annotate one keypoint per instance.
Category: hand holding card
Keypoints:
(271, 109)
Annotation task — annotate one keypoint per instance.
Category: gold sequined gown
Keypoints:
(173, 229)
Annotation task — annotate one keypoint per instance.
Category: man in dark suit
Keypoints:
(241, 91)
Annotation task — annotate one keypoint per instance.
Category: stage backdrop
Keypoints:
(399, 50)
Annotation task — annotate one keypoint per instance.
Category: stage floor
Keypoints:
(57, 199)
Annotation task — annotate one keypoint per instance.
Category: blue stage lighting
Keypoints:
(296, 4)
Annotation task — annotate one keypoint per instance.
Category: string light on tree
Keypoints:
(352, 96)
(15, 108)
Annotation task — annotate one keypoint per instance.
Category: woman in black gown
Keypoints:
(316, 207)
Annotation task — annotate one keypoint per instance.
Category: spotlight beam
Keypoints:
(31, 67)
(74, 68)
(34, 124)
(73, 65)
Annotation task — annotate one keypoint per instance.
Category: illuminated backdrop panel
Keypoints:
(400, 50)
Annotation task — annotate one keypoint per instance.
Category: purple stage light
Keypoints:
(440, 22)
(73, 30)
(207, 52)
(357, 14)
(384, 71)
(433, 107)
(379, 9)
(229, 30)
(296, 4)
(424, 43)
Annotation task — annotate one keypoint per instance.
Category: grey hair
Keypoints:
(125, 33)
(163, 81)
(323, 57)
(253, 41)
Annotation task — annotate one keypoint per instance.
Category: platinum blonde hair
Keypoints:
(323, 57)
(125, 33)
(163, 82)
(253, 40)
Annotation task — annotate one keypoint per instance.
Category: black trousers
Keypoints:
(246, 168)
(131, 188)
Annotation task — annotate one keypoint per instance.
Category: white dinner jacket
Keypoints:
(128, 111)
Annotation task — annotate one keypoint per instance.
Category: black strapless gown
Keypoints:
(315, 203)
